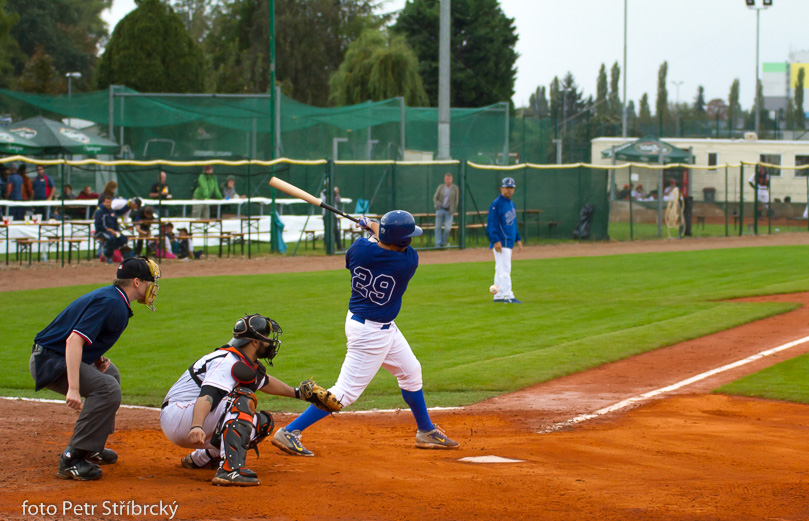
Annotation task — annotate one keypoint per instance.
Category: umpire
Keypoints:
(68, 358)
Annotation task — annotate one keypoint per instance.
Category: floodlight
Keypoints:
(751, 3)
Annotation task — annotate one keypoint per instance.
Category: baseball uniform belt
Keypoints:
(362, 321)
(165, 404)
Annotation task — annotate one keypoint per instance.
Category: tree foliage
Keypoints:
(601, 92)
(311, 39)
(151, 51)
(645, 113)
(538, 102)
(39, 75)
(69, 31)
(615, 96)
(378, 66)
(482, 55)
(699, 101)
(9, 50)
(734, 109)
(662, 103)
(196, 15)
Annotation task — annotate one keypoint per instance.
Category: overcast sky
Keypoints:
(706, 42)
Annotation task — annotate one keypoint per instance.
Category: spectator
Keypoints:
(185, 245)
(14, 193)
(108, 231)
(207, 188)
(637, 193)
(760, 182)
(161, 191)
(123, 207)
(669, 190)
(445, 201)
(142, 219)
(163, 250)
(624, 193)
(27, 187)
(67, 193)
(109, 189)
(4, 173)
(229, 192)
(87, 193)
(44, 189)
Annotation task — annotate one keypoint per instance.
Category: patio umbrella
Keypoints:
(648, 150)
(57, 138)
(16, 144)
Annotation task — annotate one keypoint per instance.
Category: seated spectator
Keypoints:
(67, 193)
(164, 249)
(229, 191)
(87, 193)
(669, 189)
(185, 245)
(142, 219)
(637, 193)
(108, 230)
(624, 193)
(109, 189)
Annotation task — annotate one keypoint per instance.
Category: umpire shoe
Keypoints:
(434, 439)
(236, 478)
(105, 457)
(74, 467)
(290, 442)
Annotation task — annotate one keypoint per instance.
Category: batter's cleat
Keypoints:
(77, 468)
(236, 478)
(290, 442)
(105, 457)
(512, 301)
(435, 439)
(498, 301)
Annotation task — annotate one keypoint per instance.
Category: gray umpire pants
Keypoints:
(102, 397)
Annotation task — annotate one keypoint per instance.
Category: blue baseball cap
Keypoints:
(508, 182)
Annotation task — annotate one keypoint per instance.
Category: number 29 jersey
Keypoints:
(379, 278)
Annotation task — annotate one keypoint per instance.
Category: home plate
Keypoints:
(490, 459)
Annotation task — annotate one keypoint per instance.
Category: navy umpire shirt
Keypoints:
(99, 317)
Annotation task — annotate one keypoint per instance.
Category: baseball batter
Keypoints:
(501, 227)
(68, 357)
(212, 406)
(381, 269)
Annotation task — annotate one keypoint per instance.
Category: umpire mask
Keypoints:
(261, 328)
(147, 271)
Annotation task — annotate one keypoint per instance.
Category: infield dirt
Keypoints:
(682, 457)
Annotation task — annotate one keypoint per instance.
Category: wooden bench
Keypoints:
(310, 234)
(26, 244)
(551, 226)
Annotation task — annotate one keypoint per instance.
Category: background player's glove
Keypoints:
(319, 397)
(365, 223)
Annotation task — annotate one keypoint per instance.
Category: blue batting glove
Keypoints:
(365, 223)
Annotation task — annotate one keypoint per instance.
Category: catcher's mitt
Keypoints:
(319, 397)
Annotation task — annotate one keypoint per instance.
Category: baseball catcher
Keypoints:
(212, 406)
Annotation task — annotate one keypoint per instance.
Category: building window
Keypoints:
(801, 161)
(712, 158)
(772, 159)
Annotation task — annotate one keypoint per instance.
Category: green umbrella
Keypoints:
(57, 138)
(16, 144)
(648, 150)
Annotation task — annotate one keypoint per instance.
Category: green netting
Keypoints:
(224, 126)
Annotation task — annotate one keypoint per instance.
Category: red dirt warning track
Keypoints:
(683, 457)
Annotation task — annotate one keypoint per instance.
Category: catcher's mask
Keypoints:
(146, 270)
(261, 328)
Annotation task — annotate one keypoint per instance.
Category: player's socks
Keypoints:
(309, 417)
(415, 399)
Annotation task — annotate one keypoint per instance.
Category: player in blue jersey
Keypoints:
(380, 270)
(501, 226)
(68, 358)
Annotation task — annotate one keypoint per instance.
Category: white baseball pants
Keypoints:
(370, 347)
(502, 273)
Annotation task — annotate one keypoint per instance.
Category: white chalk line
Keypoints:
(143, 407)
(663, 390)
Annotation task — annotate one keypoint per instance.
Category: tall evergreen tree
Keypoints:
(151, 51)
(800, 118)
(734, 108)
(645, 113)
(539, 103)
(482, 54)
(555, 100)
(662, 103)
(378, 66)
(196, 15)
(615, 96)
(9, 50)
(602, 108)
(699, 101)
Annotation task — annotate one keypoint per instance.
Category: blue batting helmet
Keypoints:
(508, 182)
(398, 228)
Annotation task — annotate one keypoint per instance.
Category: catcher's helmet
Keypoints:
(398, 228)
(508, 182)
(257, 327)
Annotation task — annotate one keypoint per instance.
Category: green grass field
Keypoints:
(579, 313)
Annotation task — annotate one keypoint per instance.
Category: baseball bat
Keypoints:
(294, 191)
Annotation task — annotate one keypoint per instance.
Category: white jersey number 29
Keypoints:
(378, 289)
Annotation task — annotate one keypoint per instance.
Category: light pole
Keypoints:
(677, 104)
(70, 76)
(623, 111)
(752, 5)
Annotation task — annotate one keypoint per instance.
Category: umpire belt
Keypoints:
(370, 323)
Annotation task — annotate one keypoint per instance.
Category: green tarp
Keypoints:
(648, 150)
